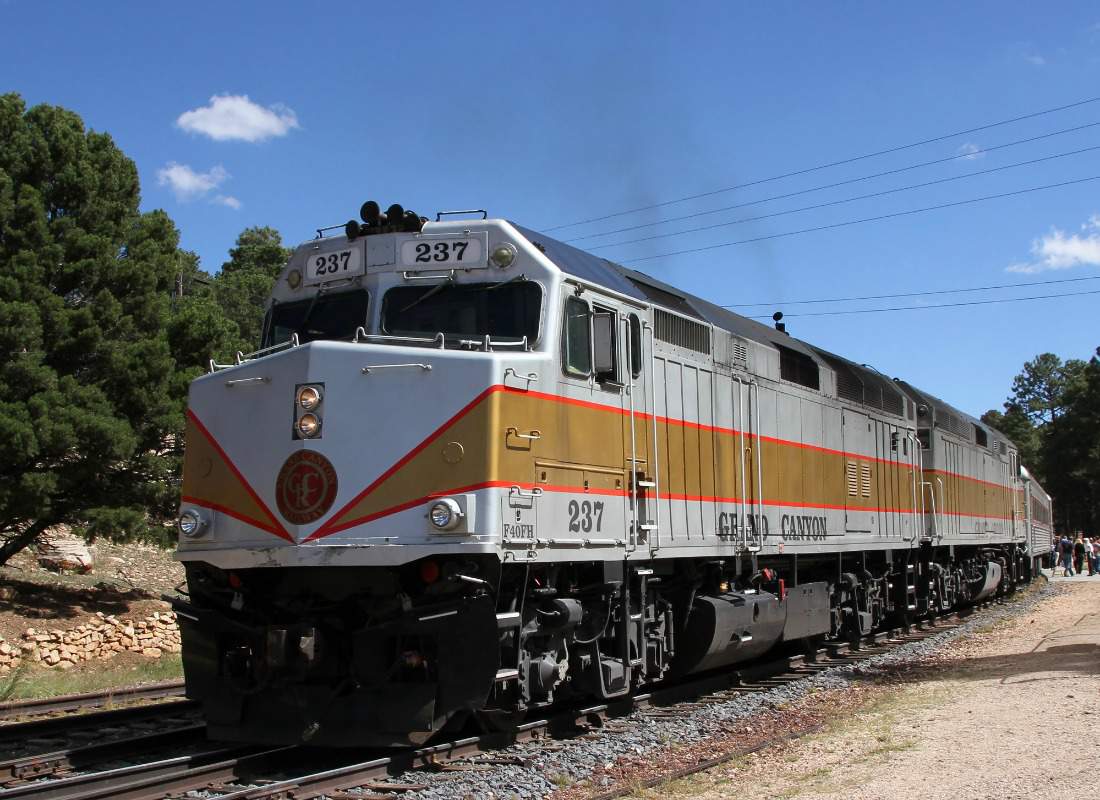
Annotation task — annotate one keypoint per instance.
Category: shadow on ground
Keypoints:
(57, 602)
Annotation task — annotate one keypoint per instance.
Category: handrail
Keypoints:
(632, 543)
(241, 358)
(653, 415)
(914, 458)
(243, 381)
(361, 333)
(374, 367)
(437, 275)
(759, 468)
(517, 491)
(743, 532)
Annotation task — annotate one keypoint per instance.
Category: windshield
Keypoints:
(324, 316)
(500, 310)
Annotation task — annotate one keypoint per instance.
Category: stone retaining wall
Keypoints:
(98, 640)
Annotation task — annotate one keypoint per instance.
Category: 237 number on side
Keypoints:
(586, 516)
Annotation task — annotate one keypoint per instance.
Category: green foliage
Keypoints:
(1018, 427)
(1053, 416)
(103, 323)
(1039, 390)
(92, 386)
(244, 284)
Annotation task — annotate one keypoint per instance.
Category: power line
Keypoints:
(915, 294)
(820, 167)
(862, 220)
(844, 200)
(937, 305)
(834, 185)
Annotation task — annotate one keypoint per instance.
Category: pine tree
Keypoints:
(94, 359)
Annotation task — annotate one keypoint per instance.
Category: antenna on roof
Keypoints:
(780, 326)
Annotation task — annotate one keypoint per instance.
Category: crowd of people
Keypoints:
(1074, 556)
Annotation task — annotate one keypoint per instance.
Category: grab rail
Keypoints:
(374, 367)
(241, 358)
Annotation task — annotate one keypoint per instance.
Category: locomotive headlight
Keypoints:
(503, 255)
(309, 397)
(445, 514)
(191, 523)
(308, 426)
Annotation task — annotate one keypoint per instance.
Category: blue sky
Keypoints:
(551, 113)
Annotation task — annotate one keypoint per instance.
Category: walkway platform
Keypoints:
(1056, 577)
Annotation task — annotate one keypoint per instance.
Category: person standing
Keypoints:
(1096, 556)
(1065, 551)
(1078, 553)
(1088, 555)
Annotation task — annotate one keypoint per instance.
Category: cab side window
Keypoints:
(577, 338)
(635, 345)
(604, 345)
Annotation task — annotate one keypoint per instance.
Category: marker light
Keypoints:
(309, 397)
(294, 279)
(309, 426)
(503, 255)
(429, 571)
(445, 514)
(191, 523)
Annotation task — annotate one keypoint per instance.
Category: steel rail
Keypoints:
(54, 726)
(77, 758)
(221, 778)
(74, 702)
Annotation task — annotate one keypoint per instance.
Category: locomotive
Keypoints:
(475, 471)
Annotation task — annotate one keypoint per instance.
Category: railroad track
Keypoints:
(280, 773)
(79, 702)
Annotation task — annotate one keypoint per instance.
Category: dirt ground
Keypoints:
(1012, 712)
(127, 581)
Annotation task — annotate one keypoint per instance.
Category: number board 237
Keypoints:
(436, 252)
(337, 264)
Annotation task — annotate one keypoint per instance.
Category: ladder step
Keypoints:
(508, 619)
(647, 484)
(647, 527)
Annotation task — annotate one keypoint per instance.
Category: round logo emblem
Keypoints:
(306, 487)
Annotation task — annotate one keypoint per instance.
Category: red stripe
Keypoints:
(278, 529)
(330, 526)
(343, 526)
(231, 513)
(327, 527)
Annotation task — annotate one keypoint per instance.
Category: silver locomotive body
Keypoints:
(476, 471)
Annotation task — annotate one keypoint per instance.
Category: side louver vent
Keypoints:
(729, 351)
(865, 480)
(681, 332)
(852, 474)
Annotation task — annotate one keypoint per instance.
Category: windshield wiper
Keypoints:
(516, 278)
(439, 287)
(309, 311)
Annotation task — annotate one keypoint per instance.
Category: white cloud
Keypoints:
(234, 117)
(1036, 59)
(970, 151)
(228, 200)
(188, 184)
(1059, 250)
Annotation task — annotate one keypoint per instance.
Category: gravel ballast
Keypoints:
(562, 765)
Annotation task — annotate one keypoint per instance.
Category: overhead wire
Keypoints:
(914, 294)
(862, 220)
(836, 163)
(845, 200)
(933, 306)
(962, 156)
